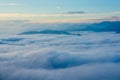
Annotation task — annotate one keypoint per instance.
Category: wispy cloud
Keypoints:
(70, 14)
(58, 7)
(63, 17)
(76, 12)
(10, 4)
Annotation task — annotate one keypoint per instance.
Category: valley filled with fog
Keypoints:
(59, 51)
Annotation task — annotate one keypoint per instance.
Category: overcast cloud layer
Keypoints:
(61, 54)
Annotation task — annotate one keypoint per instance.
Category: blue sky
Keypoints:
(53, 7)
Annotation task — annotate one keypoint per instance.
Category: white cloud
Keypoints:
(91, 56)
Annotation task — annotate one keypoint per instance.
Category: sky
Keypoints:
(59, 10)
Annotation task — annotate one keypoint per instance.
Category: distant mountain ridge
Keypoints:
(105, 26)
(66, 29)
(58, 32)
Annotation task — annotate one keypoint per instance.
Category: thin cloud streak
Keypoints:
(57, 15)
(76, 12)
(88, 17)
(10, 4)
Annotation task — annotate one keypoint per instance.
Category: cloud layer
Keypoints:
(89, 56)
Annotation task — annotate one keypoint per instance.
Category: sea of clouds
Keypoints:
(88, 56)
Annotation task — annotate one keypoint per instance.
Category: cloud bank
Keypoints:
(94, 55)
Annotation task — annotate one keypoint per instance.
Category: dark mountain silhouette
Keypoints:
(105, 26)
(58, 32)
(66, 29)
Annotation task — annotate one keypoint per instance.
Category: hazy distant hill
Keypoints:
(105, 26)
(58, 32)
(66, 28)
